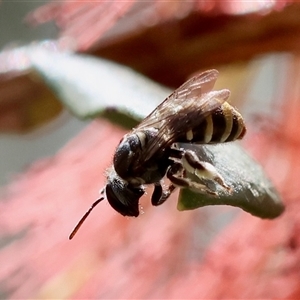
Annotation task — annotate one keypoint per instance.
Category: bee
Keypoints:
(193, 113)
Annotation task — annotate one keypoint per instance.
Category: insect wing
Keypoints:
(183, 110)
(184, 120)
(190, 90)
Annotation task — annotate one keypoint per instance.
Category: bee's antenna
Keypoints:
(84, 217)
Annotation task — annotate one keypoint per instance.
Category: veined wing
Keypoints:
(188, 92)
(183, 110)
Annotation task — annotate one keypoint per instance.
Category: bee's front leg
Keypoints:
(160, 195)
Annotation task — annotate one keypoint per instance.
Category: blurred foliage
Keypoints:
(165, 41)
(26, 103)
(159, 255)
(168, 41)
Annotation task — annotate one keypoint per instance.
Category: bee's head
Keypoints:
(123, 197)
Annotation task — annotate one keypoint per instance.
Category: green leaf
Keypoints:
(92, 87)
(251, 189)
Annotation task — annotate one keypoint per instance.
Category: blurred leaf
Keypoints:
(25, 104)
(83, 15)
(252, 191)
(91, 87)
(216, 34)
(25, 101)
(34, 78)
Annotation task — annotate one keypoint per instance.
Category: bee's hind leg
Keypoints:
(203, 170)
(191, 163)
(178, 176)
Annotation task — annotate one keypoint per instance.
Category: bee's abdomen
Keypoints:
(225, 124)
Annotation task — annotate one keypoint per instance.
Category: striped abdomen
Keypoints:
(225, 124)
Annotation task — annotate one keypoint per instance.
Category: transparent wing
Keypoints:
(183, 110)
(183, 96)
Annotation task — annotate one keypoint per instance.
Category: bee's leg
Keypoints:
(202, 169)
(176, 152)
(177, 175)
(159, 195)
